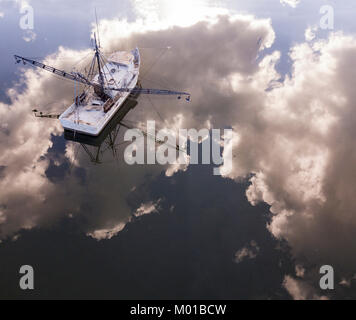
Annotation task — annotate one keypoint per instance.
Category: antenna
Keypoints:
(97, 27)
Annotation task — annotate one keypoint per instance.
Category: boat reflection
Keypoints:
(95, 147)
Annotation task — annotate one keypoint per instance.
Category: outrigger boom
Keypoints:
(78, 77)
(68, 75)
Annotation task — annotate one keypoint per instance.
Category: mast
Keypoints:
(97, 55)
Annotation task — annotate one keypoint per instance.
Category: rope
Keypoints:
(154, 63)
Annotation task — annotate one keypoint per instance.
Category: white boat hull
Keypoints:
(90, 118)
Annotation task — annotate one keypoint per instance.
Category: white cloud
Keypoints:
(178, 13)
(112, 231)
(106, 234)
(345, 282)
(248, 252)
(292, 3)
(298, 144)
(147, 208)
(299, 271)
(300, 290)
(24, 141)
(310, 33)
(29, 36)
(155, 15)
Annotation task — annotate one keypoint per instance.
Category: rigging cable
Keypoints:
(155, 62)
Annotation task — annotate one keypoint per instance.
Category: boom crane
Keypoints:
(100, 88)
(153, 91)
(74, 76)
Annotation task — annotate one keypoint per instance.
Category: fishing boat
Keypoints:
(107, 84)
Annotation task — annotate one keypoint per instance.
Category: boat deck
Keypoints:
(91, 114)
